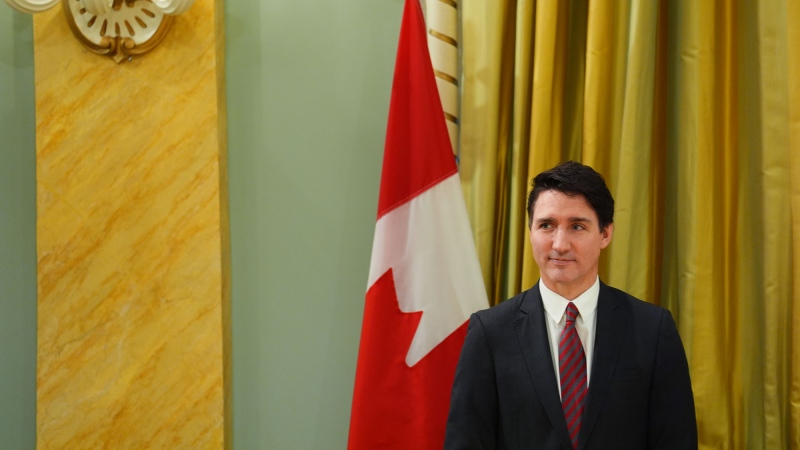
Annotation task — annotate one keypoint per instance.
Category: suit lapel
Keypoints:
(535, 346)
(611, 323)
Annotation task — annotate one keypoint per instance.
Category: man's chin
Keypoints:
(557, 277)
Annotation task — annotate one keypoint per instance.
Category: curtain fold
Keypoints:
(484, 132)
(691, 111)
(791, 21)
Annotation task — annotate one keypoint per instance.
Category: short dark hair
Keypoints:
(572, 178)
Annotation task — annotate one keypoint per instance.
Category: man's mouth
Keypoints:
(561, 261)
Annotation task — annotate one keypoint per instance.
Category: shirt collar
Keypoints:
(556, 305)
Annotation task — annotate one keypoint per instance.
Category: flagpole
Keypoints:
(442, 22)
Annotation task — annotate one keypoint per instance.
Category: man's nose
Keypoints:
(560, 241)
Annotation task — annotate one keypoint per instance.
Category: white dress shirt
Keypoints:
(555, 306)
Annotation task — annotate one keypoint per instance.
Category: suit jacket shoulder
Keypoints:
(503, 314)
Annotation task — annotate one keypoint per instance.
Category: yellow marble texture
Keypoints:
(132, 241)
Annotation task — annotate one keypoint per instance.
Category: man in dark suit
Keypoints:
(571, 363)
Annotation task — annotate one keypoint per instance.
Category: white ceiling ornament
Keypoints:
(120, 29)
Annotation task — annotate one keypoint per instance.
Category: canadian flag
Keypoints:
(424, 277)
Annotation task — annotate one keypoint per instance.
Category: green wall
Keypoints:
(17, 233)
(308, 87)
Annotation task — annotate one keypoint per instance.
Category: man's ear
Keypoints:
(606, 233)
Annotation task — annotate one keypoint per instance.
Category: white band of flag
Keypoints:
(428, 243)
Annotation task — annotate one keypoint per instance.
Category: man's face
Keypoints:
(566, 240)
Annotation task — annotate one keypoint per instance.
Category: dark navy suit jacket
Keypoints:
(505, 394)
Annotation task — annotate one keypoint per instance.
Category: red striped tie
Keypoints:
(572, 370)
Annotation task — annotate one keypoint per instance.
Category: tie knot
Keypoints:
(572, 312)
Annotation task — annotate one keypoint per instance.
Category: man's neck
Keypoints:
(569, 292)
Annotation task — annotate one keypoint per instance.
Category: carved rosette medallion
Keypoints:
(127, 29)
(120, 29)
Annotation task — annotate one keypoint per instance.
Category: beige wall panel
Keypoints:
(133, 296)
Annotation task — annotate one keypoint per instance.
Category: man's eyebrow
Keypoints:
(569, 219)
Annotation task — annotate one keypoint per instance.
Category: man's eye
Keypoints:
(544, 226)
(578, 227)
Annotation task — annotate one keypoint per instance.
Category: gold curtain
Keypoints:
(691, 110)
